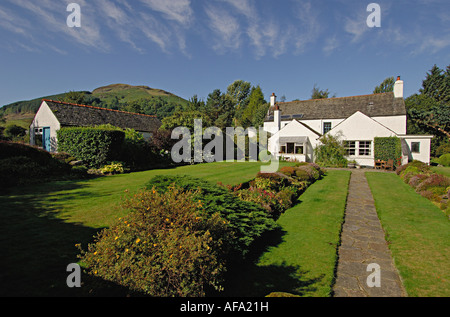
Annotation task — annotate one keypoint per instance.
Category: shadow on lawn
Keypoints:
(36, 247)
(245, 278)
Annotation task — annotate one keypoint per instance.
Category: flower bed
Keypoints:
(433, 186)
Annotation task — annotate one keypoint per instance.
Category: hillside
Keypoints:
(141, 99)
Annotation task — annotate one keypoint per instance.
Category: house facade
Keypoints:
(54, 115)
(296, 127)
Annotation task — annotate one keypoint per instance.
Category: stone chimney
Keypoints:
(398, 88)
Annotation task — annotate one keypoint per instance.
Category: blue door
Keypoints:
(46, 139)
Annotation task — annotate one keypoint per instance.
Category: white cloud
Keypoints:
(331, 44)
(176, 10)
(226, 27)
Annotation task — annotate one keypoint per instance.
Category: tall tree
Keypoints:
(239, 92)
(318, 93)
(255, 103)
(386, 85)
(220, 109)
(435, 84)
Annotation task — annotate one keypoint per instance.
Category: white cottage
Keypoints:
(54, 115)
(297, 126)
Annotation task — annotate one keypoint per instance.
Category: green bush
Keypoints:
(331, 152)
(21, 164)
(95, 146)
(247, 220)
(167, 246)
(389, 148)
(445, 160)
(443, 149)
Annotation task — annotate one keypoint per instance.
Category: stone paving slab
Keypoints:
(363, 243)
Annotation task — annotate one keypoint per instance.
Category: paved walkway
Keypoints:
(363, 243)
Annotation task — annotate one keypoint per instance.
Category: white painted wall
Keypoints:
(425, 147)
(359, 127)
(45, 118)
(294, 129)
(394, 123)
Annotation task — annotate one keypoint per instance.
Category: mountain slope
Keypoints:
(141, 99)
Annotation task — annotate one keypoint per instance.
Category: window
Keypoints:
(299, 149)
(291, 148)
(415, 147)
(326, 127)
(365, 148)
(360, 148)
(350, 147)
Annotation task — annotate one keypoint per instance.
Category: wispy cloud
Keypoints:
(226, 28)
(176, 10)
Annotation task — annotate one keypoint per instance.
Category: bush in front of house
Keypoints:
(169, 245)
(331, 152)
(92, 145)
(445, 160)
(247, 220)
(388, 148)
(21, 164)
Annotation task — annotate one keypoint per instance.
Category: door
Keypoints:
(46, 144)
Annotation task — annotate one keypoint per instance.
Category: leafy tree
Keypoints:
(386, 86)
(317, 93)
(429, 111)
(220, 109)
(76, 97)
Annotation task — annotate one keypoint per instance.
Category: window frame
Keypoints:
(327, 126)
(413, 144)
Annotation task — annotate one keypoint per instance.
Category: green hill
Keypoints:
(140, 99)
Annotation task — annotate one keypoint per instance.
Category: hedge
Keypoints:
(95, 146)
(389, 148)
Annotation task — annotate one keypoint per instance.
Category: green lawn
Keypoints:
(441, 170)
(300, 258)
(40, 224)
(418, 234)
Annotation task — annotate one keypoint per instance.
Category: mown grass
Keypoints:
(299, 258)
(40, 224)
(441, 170)
(418, 234)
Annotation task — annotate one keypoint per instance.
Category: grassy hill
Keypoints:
(141, 99)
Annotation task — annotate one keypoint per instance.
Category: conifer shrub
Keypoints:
(169, 245)
(246, 220)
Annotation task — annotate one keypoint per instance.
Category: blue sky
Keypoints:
(192, 47)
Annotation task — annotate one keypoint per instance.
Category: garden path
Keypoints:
(363, 244)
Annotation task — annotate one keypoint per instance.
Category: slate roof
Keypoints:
(69, 114)
(375, 105)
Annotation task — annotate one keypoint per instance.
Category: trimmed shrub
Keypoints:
(287, 170)
(21, 164)
(95, 146)
(445, 160)
(389, 148)
(168, 246)
(247, 220)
